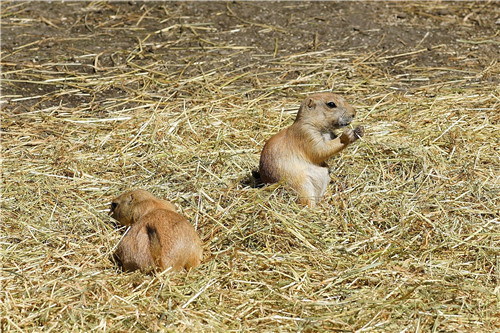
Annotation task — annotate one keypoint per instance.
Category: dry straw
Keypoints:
(158, 97)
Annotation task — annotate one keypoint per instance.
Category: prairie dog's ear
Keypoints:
(309, 103)
(130, 198)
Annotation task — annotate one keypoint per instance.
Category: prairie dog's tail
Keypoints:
(253, 180)
(256, 176)
(154, 245)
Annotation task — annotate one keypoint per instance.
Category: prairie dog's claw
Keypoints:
(349, 135)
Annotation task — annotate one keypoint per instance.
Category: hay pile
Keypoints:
(407, 238)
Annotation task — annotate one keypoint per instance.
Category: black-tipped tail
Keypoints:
(154, 244)
(253, 180)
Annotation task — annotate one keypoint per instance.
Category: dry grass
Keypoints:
(407, 239)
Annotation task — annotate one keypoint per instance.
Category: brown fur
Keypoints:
(158, 237)
(298, 154)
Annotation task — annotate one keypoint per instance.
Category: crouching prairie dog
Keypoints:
(158, 237)
(297, 155)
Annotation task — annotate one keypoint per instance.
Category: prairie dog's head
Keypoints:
(130, 206)
(326, 111)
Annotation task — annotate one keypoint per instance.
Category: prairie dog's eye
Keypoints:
(113, 205)
(331, 105)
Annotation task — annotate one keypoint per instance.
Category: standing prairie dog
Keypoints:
(298, 154)
(158, 237)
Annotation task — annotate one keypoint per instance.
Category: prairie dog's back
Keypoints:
(269, 166)
(177, 238)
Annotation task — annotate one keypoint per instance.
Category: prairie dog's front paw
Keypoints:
(349, 135)
(359, 132)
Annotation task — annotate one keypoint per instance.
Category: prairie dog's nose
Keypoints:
(351, 110)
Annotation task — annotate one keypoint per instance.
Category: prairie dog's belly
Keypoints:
(319, 178)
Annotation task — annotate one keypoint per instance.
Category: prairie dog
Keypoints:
(158, 237)
(298, 154)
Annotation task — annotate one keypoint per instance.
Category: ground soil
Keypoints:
(39, 33)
